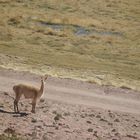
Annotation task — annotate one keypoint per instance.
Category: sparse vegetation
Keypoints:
(4, 137)
(9, 134)
(113, 48)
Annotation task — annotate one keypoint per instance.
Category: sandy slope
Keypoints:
(71, 110)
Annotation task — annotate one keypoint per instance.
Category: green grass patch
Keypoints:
(26, 43)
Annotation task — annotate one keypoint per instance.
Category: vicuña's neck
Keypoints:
(41, 87)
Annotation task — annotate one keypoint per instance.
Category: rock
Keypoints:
(109, 123)
(127, 120)
(103, 120)
(5, 93)
(56, 127)
(89, 122)
(95, 134)
(131, 136)
(66, 126)
(60, 124)
(117, 134)
(50, 132)
(135, 125)
(42, 100)
(91, 115)
(111, 115)
(68, 131)
(1, 106)
(88, 139)
(116, 120)
(82, 116)
(34, 134)
(67, 114)
(39, 126)
(34, 120)
(9, 131)
(98, 116)
(109, 111)
(113, 130)
(44, 111)
(45, 136)
(90, 130)
(57, 117)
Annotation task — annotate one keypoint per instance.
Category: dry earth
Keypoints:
(69, 110)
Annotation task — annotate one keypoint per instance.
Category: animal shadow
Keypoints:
(15, 114)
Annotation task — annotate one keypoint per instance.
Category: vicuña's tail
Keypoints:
(14, 88)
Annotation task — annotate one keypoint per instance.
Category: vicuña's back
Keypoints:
(28, 92)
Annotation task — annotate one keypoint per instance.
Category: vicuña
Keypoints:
(29, 92)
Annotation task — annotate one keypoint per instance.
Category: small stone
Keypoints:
(103, 120)
(1, 106)
(68, 131)
(21, 104)
(95, 134)
(127, 120)
(90, 130)
(9, 131)
(116, 120)
(82, 116)
(42, 100)
(91, 115)
(33, 120)
(66, 114)
(57, 117)
(39, 126)
(44, 111)
(135, 125)
(131, 136)
(88, 138)
(113, 130)
(111, 115)
(98, 116)
(66, 126)
(89, 122)
(60, 124)
(110, 123)
(117, 134)
(50, 132)
(45, 136)
(109, 111)
(6, 93)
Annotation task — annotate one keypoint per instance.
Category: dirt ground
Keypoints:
(69, 110)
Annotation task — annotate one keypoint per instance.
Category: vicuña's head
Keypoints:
(44, 78)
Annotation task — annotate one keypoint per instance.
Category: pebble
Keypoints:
(90, 130)
(33, 120)
(116, 120)
(89, 122)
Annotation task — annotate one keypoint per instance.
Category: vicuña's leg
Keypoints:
(15, 105)
(16, 102)
(34, 104)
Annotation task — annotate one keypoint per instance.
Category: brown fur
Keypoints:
(29, 92)
(26, 90)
